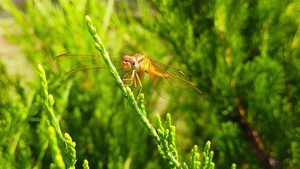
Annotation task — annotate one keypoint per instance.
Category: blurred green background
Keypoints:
(243, 55)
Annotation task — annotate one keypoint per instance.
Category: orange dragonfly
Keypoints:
(165, 79)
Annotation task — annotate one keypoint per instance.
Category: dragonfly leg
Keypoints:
(134, 82)
(140, 83)
(131, 79)
(125, 75)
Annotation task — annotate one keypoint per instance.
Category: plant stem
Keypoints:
(65, 145)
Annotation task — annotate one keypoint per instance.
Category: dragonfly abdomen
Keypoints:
(153, 71)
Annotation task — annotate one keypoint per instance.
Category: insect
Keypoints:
(165, 79)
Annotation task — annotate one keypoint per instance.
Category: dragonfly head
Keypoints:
(129, 63)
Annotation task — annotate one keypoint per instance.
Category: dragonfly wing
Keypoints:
(173, 81)
(95, 77)
(90, 70)
(67, 62)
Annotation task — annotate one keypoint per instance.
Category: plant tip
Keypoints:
(68, 137)
(208, 143)
(41, 69)
(87, 18)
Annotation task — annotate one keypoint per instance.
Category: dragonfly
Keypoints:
(165, 79)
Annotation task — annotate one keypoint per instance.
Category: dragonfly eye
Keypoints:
(126, 58)
(126, 63)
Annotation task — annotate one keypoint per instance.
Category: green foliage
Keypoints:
(65, 143)
(56, 156)
(243, 55)
(166, 144)
(168, 152)
(85, 164)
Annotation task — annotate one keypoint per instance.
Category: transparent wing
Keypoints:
(174, 81)
(66, 63)
(90, 70)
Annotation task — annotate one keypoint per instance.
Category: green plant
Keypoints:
(165, 138)
(64, 142)
(243, 55)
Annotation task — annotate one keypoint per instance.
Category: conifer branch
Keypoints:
(166, 146)
(65, 144)
(85, 164)
(233, 166)
(207, 156)
(206, 160)
(253, 137)
(56, 156)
